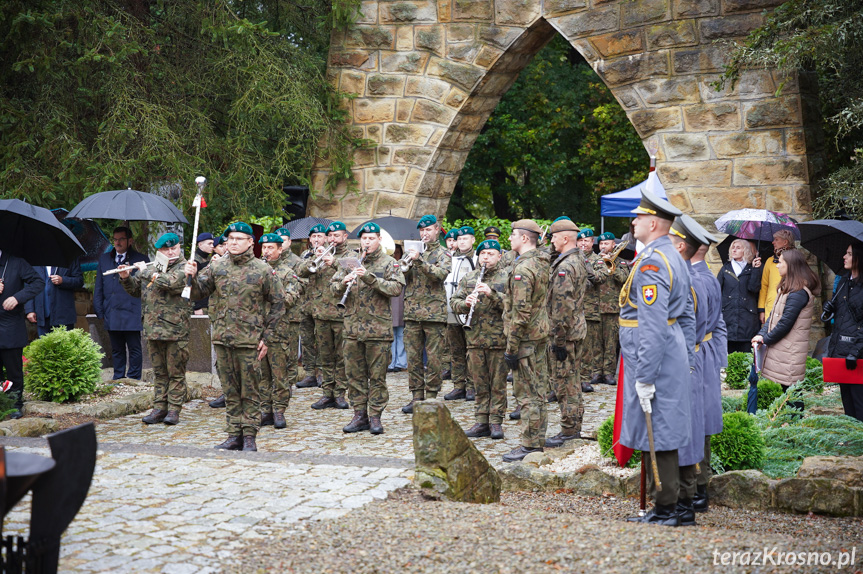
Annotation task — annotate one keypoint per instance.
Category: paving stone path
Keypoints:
(163, 500)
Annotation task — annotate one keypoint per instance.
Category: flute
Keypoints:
(466, 325)
(341, 304)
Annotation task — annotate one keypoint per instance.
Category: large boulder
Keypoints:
(846, 469)
(447, 461)
(748, 489)
(30, 426)
(818, 495)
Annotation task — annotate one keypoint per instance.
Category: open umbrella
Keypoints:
(89, 235)
(765, 249)
(300, 228)
(400, 228)
(34, 234)
(756, 224)
(828, 239)
(128, 205)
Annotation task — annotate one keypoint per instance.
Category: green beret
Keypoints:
(240, 227)
(466, 230)
(451, 234)
(587, 232)
(319, 228)
(167, 240)
(426, 221)
(561, 217)
(488, 244)
(606, 236)
(336, 226)
(284, 232)
(369, 227)
(271, 238)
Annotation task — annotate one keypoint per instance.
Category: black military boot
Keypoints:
(516, 414)
(700, 501)
(560, 438)
(155, 416)
(586, 388)
(307, 382)
(595, 380)
(341, 403)
(218, 403)
(279, 420)
(659, 514)
(172, 418)
(455, 395)
(519, 453)
(685, 512)
(609, 381)
(249, 444)
(496, 431)
(409, 408)
(470, 395)
(551, 397)
(267, 419)
(360, 422)
(446, 375)
(324, 403)
(478, 430)
(232, 443)
(375, 425)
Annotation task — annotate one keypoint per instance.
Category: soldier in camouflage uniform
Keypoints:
(526, 325)
(280, 364)
(605, 348)
(463, 261)
(368, 328)
(425, 313)
(243, 326)
(203, 255)
(596, 272)
(446, 356)
(311, 359)
(485, 338)
(166, 327)
(566, 313)
(329, 321)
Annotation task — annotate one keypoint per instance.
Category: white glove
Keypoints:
(645, 394)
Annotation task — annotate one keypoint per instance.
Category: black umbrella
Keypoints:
(34, 234)
(828, 239)
(399, 228)
(128, 205)
(765, 249)
(300, 228)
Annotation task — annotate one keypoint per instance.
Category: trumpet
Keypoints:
(610, 257)
(466, 325)
(406, 262)
(315, 265)
(341, 304)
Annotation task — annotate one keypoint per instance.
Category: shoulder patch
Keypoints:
(516, 277)
(396, 264)
(648, 294)
(645, 268)
(561, 273)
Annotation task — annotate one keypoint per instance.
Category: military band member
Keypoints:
(450, 239)
(368, 328)
(311, 360)
(446, 357)
(166, 326)
(249, 305)
(657, 330)
(425, 313)
(597, 273)
(566, 314)
(526, 325)
(463, 262)
(485, 339)
(279, 367)
(605, 347)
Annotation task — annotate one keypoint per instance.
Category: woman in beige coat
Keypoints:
(786, 332)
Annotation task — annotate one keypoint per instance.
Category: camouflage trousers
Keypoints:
(366, 365)
(458, 357)
(488, 372)
(610, 325)
(240, 374)
(279, 371)
(566, 384)
(331, 356)
(530, 386)
(169, 360)
(430, 336)
(592, 354)
(309, 344)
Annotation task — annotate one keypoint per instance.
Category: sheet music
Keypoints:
(350, 263)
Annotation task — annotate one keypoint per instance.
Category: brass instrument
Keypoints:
(341, 304)
(315, 265)
(610, 257)
(406, 262)
(466, 325)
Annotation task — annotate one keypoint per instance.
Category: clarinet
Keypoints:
(466, 325)
(341, 304)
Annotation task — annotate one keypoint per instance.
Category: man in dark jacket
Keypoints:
(120, 311)
(19, 283)
(55, 305)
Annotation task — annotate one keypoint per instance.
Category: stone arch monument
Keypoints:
(426, 75)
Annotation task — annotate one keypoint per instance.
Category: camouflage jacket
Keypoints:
(245, 286)
(368, 314)
(609, 288)
(290, 260)
(166, 314)
(425, 297)
(525, 313)
(486, 330)
(291, 284)
(597, 272)
(566, 289)
(322, 302)
(508, 259)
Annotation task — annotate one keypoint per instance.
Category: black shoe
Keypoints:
(408, 409)
(553, 442)
(685, 513)
(324, 403)
(391, 369)
(341, 403)
(470, 395)
(360, 422)
(586, 388)
(232, 443)
(267, 419)
(308, 382)
(17, 414)
(700, 502)
(552, 397)
(455, 395)
(519, 453)
(496, 431)
(249, 444)
(279, 420)
(516, 414)
(446, 375)
(595, 380)
(218, 403)
(509, 378)
(478, 430)
(564, 437)
(155, 416)
(609, 381)
(662, 515)
(172, 418)
(375, 426)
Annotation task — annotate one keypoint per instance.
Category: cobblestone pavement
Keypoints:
(163, 500)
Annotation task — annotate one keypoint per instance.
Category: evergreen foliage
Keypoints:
(62, 365)
(605, 439)
(740, 445)
(767, 393)
(737, 371)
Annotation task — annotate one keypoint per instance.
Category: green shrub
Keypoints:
(737, 371)
(767, 393)
(814, 378)
(605, 438)
(62, 365)
(730, 404)
(740, 445)
(7, 404)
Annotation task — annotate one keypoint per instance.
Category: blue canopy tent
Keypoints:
(621, 203)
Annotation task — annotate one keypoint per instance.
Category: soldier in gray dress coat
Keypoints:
(657, 329)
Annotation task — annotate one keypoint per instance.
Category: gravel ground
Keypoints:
(529, 532)
(589, 454)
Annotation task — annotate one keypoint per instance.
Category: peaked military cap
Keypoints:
(336, 226)
(653, 205)
(319, 228)
(204, 237)
(369, 227)
(451, 234)
(167, 240)
(563, 224)
(586, 232)
(527, 225)
(491, 230)
(466, 230)
(488, 244)
(688, 230)
(270, 238)
(426, 221)
(240, 227)
(607, 236)
(284, 232)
